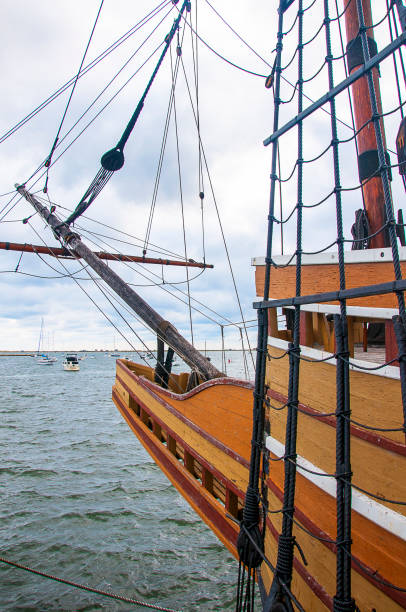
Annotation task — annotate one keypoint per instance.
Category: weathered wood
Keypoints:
(57, 252)
(163, 328)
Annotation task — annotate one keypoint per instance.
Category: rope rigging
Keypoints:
(115, 45)
(49, 158)
(85, 587)
(252, 529)
(113, 159)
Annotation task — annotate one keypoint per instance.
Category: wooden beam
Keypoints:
(58, 252)
(164, 329)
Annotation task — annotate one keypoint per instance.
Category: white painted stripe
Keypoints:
(369, 508)
(331, 257)
(312, 353)
(352, 311)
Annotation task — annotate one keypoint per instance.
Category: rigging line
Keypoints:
(49, 159)
(173, 286)
(244, 356)
(99, 308)
(394, 57)
(126, 63)
(70, 274)
(93, 119)
(195, 64)
(219, 220)
(236, 33)
(374, 575)
(161, 158)
(267, 63)
(273, 570)
(8, 204)
(30, 274)
(107, 292)
(84, 586)
(155, 284)
(113, 160)
(12, 207)
(164, 253)
(222, 56)
(181, 195)
(161, 250)
(195, 58)
(87, 68)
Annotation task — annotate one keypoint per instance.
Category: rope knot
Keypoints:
(342, 605)
(285, 555)
(250, 541)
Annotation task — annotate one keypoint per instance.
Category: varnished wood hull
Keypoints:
(201, 441)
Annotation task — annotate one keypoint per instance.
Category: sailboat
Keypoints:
(42, 357)
(301, 473)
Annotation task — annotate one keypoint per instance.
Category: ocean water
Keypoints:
(81, 499)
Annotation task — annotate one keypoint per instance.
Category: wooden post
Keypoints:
(162, 328)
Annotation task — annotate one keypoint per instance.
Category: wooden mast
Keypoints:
(163, 329)
(367, 146)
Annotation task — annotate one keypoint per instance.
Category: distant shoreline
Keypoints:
(34, 353)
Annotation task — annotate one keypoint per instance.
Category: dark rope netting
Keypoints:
(255, 543)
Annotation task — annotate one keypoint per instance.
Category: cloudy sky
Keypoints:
(43, 45)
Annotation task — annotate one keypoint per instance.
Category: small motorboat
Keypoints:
(71, 363)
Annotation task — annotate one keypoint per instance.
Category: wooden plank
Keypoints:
(320, 555)
(375, 468)
(306, 328)
(219, 427)
(323, 278)
(375, 400)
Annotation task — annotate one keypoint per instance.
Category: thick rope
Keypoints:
(84, 587)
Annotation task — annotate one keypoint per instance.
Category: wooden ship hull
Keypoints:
(201, 440)
(203, 452)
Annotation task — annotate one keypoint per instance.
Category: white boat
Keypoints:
(71, 363)
(46, 360)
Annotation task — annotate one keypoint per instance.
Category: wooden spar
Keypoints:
(367, 146)
(162, 328)
(57, 252)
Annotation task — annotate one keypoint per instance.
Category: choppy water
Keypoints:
(81, 499)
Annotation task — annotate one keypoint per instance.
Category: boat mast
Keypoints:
(368, 163)
(164, 329)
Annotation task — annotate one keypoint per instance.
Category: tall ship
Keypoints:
(300, 473)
